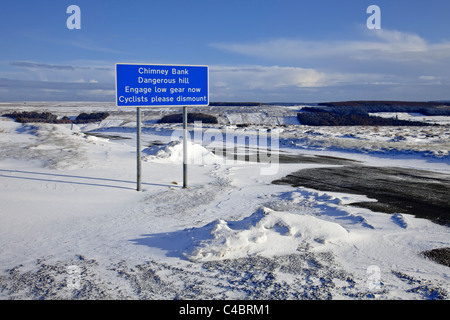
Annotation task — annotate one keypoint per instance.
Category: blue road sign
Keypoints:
(161, 85)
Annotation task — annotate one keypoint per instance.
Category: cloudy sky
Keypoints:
(256, 50)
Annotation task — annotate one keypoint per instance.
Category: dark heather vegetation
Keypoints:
(191, 117)
(237, 104)
(47, 117)
(348, 113)
(425, 108)
(440, 255)
(91, 117)
(329, 118)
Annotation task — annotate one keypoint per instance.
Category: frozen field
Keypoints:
(74, 227)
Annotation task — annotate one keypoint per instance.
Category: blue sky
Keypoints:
(266, 51)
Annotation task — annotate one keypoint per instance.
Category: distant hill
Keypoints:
(329, 118)
(383, 102)
(347, 113)
(428, 108)
(238, 104)
(47, 117)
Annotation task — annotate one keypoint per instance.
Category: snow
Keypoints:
(173, 151)
(69, 199)
(413, 116)
(266, 232)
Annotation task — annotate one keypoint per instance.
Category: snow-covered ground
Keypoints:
(73, 225)
(412, 116)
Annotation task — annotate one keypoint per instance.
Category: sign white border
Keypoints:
(160, 106)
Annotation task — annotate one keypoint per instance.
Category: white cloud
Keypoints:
(398, 62)
(390, 63)
(428, 78)
(30, 80)
(278, 77)
(380, 44)
(399, 42)
(262, 77)
(35, 71)
(277, 83)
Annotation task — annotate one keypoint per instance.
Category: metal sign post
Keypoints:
(158, 85)
(185, 148)
(138, 149)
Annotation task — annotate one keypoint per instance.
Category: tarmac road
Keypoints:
(424, 194)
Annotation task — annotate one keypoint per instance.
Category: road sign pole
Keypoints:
(138, 149)
(177, 86)
(185, 148)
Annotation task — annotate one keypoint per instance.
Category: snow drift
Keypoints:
(173, 151)
(267, 233)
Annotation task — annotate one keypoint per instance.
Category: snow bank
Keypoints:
(173, 152)
(267, 233)
(430, 141)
